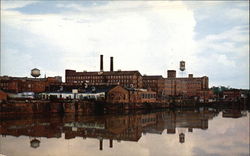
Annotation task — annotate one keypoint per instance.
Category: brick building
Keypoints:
(3, 96)
(112, 93)
(188, 86)
(123, 78)
(232, 94)
(24, 84)
(117, 94)
(141, 95)
(154, 82)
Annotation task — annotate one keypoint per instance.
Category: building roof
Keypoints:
(100, 88)
(81, 88)
(185, 78)
(132, 72)
(152, 77)
(8, 78)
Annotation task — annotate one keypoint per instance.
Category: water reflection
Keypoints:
(107, 129)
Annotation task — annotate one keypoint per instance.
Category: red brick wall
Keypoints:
(118, 95)
(3, 95)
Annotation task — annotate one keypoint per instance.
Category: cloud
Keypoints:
(236, 34)
(8, 4)
(116, 29)
(222, 55)
(232, 10)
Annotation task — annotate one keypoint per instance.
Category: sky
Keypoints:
(212, 37)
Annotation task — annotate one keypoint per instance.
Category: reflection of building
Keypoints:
(34, 143)
(232, 113)
(107, 127)
(182, 138)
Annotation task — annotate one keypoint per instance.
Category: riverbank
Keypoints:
(99, 107)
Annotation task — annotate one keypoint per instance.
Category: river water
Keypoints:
(203, 131)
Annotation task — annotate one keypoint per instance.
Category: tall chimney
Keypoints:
(171, 74)
(111, 64)
(101, 62)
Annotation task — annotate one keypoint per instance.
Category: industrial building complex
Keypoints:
(109, 86)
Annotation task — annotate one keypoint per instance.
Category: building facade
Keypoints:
(155, 83)
(3, 96)
(117, 94)
(188, 86)
(123, 78)
(141, 96)
(24, 84)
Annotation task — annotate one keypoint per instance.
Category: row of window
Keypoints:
(150, 81)
(4, 84)
(184, 82)
(101, 81)
(101, 77)
(147, 120)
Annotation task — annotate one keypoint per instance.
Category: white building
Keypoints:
(72, 95)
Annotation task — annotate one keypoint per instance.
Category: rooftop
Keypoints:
(132, 72)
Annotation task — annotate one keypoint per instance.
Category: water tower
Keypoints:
(35, 72)
(182, 66)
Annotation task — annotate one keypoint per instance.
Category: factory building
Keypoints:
(25, 84)
(188, 86)
(109, 93)
(171, 86)
(123, 78)
(155, 83)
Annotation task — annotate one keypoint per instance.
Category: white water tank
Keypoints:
(35, 72)
(182, 65)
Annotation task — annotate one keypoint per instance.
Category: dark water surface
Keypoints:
(203, 131)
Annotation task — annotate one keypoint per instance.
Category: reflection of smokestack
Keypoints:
(110, 143)
(101, 141)
(101, 62)
(111, 64)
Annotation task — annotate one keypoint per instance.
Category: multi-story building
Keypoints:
(154, 82)
(123, 78)
(141, 95)
(24, 84)
(188, 86)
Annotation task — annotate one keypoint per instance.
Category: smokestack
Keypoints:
(190, 75)
(171, 74)
(111, 64)
(101, 62)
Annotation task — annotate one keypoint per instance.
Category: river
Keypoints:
(191, 132)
